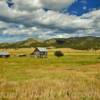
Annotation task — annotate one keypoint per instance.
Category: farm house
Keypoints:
(4, 55)
(40, 52)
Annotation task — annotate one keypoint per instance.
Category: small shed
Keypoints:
(40, 52)
(4, 55)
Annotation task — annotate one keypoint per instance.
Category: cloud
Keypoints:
(29, 19)
(47, 4)
(6, 12)
(56, 4)
(50, 19)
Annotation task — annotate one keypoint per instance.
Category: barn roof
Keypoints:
(4, 53)
(42, 49)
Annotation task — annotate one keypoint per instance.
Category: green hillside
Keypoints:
(75, 43)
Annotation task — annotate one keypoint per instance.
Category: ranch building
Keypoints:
(4, 55)
(40, 52)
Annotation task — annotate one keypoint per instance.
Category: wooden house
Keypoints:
(4, 55)
(40, 52)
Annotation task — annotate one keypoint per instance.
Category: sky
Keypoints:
(45, 19)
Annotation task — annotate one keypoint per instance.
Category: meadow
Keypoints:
(75, 76)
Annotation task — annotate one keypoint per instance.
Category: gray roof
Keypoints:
(4, 53)
(42, 49)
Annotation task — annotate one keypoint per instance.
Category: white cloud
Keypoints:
(29, 18)
(56, 4)
(36, 4)
(27, 5)
(5, 11)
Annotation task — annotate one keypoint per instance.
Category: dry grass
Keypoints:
(76, 76)
(73, 88)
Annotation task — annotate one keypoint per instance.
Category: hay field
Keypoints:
(76, 76)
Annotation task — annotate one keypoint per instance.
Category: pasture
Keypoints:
(75, 76)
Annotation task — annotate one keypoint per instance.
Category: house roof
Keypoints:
(4, 53)
(42, 49)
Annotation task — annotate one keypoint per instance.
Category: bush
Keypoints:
(59, 53)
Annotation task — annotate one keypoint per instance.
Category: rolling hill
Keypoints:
(82, 43)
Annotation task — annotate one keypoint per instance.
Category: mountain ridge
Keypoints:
(82, 43)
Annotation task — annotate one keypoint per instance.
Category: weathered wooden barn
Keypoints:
(4, 55)
(40, 52)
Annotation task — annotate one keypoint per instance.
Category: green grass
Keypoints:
(76, 76)
(26, 68)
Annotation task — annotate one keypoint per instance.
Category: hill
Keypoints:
(21, 44)
(82, 43)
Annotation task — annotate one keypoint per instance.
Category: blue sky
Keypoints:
(44, 19)
(83, 6)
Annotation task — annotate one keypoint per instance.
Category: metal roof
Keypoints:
(4, 53)
(42, 49)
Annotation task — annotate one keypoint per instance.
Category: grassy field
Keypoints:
(76, 76)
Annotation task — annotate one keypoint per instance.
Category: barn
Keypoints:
(4, 55)
(40, 52)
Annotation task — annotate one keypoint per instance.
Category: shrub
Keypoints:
(59, 53)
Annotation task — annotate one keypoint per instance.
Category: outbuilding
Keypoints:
(4, 55)
(40, 52)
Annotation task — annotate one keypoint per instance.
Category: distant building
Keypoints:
(4, 55)
(40, 52)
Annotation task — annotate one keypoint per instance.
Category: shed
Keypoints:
(40, 52)
(4, 55)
